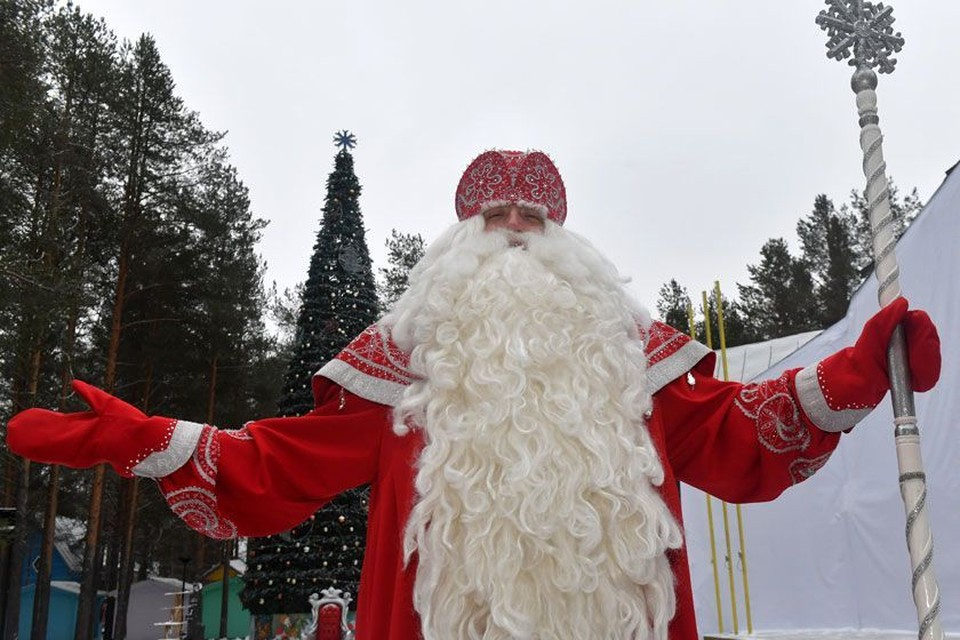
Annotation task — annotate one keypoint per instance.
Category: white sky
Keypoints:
(688, 132)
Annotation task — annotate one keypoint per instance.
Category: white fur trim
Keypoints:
(814, 403)
(673, 366)
(366, 386)
(182, 444)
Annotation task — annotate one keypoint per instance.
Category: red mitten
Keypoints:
(923, 350)
(113, 432)
(841, 389)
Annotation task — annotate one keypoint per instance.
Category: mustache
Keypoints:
(508, 239)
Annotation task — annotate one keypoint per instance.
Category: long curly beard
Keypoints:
(537, 513)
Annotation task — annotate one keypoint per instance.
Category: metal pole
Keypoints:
(868, 30)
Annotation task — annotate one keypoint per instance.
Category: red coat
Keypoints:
(741, 443)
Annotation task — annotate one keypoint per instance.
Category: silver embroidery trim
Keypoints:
(764, 403)
(673, 366)
(663, 346)
(379, 345)
(363, 385)
(188, 501)
(803, 468)
(815, 405)
(183, 442)
(383, 340)
(204, 459)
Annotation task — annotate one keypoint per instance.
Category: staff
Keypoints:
(868, 30)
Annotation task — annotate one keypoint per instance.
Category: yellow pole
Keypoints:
(713, 559)
(706, 321)
(711, 527)
(726, 516)
(743, 570)
(720, 329)
(743, 548)
(733, 590)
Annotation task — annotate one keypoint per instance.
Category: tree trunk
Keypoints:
(88, 580)
(225, 593)
(18, 548)
(212, 390)
(41, 595)
(9, 486)
(114, 500)
(126, 560)
(88, 585)
(130, 521)
(225, 545)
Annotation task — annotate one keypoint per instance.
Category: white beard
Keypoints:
(537, 515)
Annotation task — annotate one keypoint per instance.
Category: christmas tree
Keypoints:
(339, 302)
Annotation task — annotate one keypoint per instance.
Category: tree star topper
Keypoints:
(345, 140)
(865, 26)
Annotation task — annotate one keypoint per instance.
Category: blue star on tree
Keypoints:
(865, 26)
(345, 140)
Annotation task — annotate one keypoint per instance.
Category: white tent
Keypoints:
(831, 553)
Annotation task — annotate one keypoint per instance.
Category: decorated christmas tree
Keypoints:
(339, 302)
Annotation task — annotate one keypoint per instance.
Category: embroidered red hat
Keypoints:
(496, 178)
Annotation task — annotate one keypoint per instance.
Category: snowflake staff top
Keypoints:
(345, 140)
(865, 26)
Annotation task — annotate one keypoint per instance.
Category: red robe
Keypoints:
(740, 443)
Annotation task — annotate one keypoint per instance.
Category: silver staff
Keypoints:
(867, 29)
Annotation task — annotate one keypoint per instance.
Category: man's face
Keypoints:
(513, 217)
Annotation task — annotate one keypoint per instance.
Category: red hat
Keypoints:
(497, 177)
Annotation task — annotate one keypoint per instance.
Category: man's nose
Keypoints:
(515, 220)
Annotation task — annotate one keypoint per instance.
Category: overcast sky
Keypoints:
(688, 132)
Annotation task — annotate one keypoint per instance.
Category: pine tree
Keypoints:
(827, 238)
(841, 276)
(339, 297)
(812, 231)
(672, 306)
(780, 300)
(339, 302)
(153, 137)
(106, 172)
(404, 251)
(199, 295)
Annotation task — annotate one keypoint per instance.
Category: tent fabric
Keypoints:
(831, 553)
(748, 361)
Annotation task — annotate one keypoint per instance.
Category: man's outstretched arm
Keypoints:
(294, 465)
(218, 480)
(749, 442)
